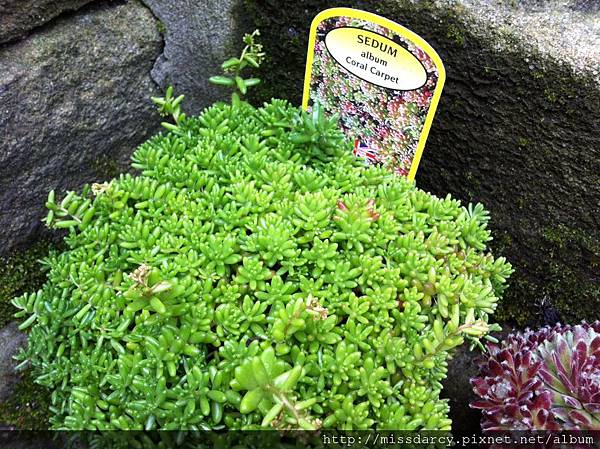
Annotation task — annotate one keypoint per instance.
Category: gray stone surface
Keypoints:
(11, 340)
(566, 30)
(74, 104)
(199, 36)
(18, 17)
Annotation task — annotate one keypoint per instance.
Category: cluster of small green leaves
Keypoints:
(170, 106)
(255, 274)
(252, 56)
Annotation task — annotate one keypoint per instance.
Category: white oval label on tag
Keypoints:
(375, 58)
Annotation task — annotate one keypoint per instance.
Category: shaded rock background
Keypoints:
(199, 35)
(458, 391)
(11, 340)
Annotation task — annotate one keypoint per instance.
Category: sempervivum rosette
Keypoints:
(544, 380)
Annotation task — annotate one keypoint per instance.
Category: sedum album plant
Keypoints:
(254, 274)
(544, 380)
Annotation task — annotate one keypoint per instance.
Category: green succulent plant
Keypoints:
(251, 57)
(256, 274)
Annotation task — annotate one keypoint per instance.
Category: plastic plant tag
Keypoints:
(382, 79)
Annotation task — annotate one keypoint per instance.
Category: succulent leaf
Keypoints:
(254, 273)
(558, 386)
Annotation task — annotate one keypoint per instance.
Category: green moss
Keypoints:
(106, 167)
(566, 237)
(512, 310)
(472, 179)
(550, 95)
(161, 27)
(575, 299)
(538, 74)
(560, 278)
(20, 272)
(27, 407)
(502, 241)
(455, 35)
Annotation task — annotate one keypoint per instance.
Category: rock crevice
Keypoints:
(197, 39)
(19, 17)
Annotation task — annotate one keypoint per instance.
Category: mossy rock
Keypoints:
(516, 129)
(27, 406)
(20, 272)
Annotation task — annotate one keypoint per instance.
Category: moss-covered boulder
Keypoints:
(516, 129)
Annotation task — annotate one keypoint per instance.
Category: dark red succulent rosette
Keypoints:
(509, 388)
(543, 380)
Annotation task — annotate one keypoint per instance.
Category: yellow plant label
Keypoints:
(383, 80)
